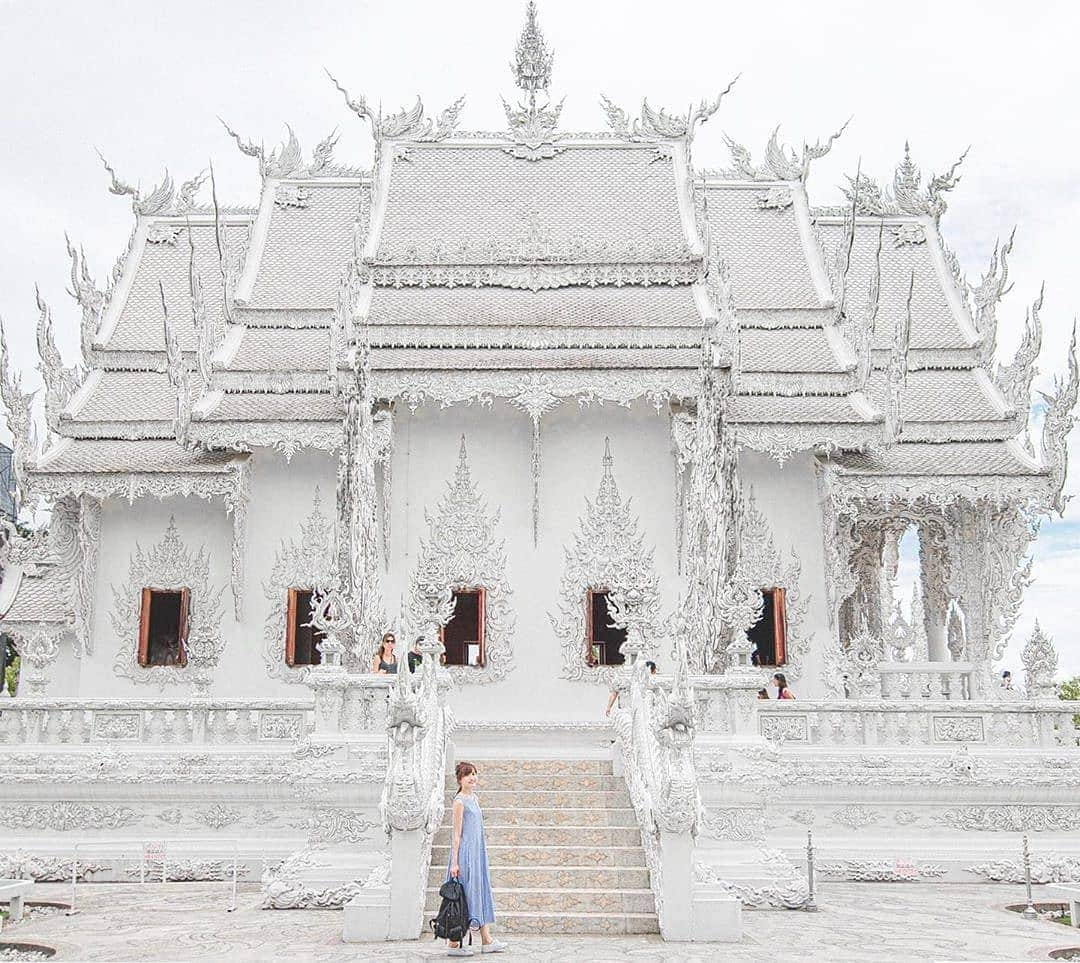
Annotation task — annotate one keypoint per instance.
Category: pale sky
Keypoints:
(145, 83)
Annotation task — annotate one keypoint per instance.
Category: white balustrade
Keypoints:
(154, 721)
(951, 681)
(908, 722)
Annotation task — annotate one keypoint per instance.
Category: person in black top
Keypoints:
(415, 655)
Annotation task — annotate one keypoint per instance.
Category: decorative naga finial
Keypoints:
(61, 382)
(909, 193)
(1060, 402)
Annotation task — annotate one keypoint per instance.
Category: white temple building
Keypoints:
(558, 403)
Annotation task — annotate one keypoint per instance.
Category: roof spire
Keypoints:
(532, 126)
(532, 60)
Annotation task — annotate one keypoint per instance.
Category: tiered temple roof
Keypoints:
(536, 266)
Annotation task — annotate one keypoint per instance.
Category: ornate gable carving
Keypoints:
(305, 563)
(169, 564)
(608, 553)
(462, 551)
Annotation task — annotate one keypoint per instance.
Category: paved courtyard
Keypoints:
(858, 921)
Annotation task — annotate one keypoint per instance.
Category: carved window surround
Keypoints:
(462, 551)
(169, 564)
(608, 554)
(305, 562)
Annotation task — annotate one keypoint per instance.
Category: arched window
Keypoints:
(603, 641)
(769, 634)
(163, 626)
(301, 639)
(463, 635)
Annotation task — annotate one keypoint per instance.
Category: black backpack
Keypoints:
(452, 922)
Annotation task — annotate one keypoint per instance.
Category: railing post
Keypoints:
(677, 872)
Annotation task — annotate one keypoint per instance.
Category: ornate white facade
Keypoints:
(460, 342)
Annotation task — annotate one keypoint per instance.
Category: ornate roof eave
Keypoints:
(132, 485)
(852, 493)
(782, 441)
(535, 276)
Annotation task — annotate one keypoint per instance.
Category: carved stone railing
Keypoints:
(413, 801)
(1036, 724)
(654, 728)
(76, 722)
(348, 703)
(642, 763)
(951, 681)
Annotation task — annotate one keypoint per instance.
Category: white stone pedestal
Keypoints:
(367, 916)
(15, 891)
(717, 915)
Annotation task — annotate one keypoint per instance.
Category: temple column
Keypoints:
(935, 598)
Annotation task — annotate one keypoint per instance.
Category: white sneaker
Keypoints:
(460, 951)
(495, 946)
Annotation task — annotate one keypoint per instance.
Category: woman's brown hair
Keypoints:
(382, 644)
(463, 769)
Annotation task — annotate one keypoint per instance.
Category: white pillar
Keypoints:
(406, 893)
(677, 873)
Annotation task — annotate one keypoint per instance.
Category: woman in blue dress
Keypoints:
(469, 862)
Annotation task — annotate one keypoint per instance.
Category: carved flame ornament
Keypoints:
(305, 563)
(609, 554)
(170, 564)
(462, 551)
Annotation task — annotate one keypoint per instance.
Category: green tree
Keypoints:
(1070, 690)
(11, 676)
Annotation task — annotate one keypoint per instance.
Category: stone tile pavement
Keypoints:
(879, 922)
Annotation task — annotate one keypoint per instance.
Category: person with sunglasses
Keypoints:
(385, 661)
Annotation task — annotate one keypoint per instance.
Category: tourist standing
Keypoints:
(469, 863)
(385, 662)
(782, 690)
(416, 657)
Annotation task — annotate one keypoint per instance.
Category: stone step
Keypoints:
(558, 877)
(539, 799)
(554, 816)
(575, 781)
(493, 767)
(553, 836)
(584, 856)
(582, 924)
(632, 901)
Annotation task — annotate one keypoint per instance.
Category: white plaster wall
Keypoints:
(425, 457)
(499, 444)
(281, 496)
(199, 522)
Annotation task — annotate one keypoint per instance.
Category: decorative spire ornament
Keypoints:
(532, 126)
(532, 59)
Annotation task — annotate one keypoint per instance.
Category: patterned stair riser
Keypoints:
(563, 901)
(558, 877)
(564, 849)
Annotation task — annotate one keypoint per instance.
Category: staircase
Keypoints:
(563, 847)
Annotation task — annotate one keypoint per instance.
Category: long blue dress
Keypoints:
(473, 863)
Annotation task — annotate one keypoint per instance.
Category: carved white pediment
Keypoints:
(170, 565)
(462, 551)
(306, 563)
(608, 553)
